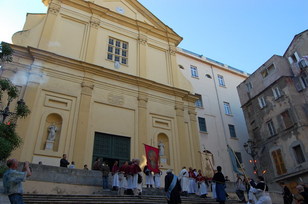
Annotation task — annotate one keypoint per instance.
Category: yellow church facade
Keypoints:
(101, 80)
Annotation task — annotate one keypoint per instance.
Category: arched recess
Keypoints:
(163, 143)
(56, 120)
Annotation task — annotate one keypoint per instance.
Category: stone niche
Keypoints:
(163, 143)
(52, 132)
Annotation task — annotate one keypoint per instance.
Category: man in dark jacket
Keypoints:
(287, 195)
(219, 178)
(64, 162)
(105, 172)
(172, 188)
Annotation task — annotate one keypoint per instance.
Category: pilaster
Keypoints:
(92, 39)
(54, 8)
(142, 55)
(142, 124)
(173, 65)
(183, 145)
(82, 129)
(195, 138)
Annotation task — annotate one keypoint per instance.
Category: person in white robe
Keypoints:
(148, 177)
(115, 176)
(123, 172)
(157, 182)
(201, 184)
(184, 177)
(192, 181)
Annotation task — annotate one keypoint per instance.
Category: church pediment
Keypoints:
(129, 13)
(128, 9)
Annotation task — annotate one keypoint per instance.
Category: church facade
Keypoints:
(101, 80)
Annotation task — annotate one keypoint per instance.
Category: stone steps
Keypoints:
(144, 199)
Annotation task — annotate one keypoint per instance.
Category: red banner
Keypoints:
(152, 158)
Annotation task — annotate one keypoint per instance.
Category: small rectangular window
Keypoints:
(271, 128)
(286, 119)
(268, 71)
(199, 103)
(262, 102)
(249, 86)
(194, 71)
(117, 51)
(221, 80)
(202, 124)
(276, 92)
(299, 155)
(232, 131)
(295, 57)
(227, 108)
(239, 160)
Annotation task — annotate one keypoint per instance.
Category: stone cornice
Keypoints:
(37, 54)
(245, 76)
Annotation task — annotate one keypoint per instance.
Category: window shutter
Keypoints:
(275, 157)
(296, 56)
(282, 166)
(290, 60)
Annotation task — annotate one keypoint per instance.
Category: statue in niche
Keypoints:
(52, 130)
(161, 147)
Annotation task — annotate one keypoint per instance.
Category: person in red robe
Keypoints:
(136, 177)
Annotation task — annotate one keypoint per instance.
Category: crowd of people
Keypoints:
(127, 179)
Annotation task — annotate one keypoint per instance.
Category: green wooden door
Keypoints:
(111, 147)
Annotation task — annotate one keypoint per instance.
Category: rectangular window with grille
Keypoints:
(117, 51)
(279, 163)
(202, 124)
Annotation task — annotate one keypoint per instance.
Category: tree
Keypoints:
(9, 140)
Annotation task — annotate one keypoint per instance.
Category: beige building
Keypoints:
(274, 101)
(220, 118)
(101, 79)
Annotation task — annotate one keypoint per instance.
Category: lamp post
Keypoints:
(6, 111)
(250, 148)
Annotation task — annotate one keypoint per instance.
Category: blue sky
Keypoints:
(240, 33)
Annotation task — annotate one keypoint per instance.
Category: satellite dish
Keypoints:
(116, 64)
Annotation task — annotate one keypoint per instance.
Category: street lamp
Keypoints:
(6, 111)
(250, 148)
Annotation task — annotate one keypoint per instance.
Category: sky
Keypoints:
(241, 33)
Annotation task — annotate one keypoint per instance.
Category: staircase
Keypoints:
(145, 199)
(149, 196)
